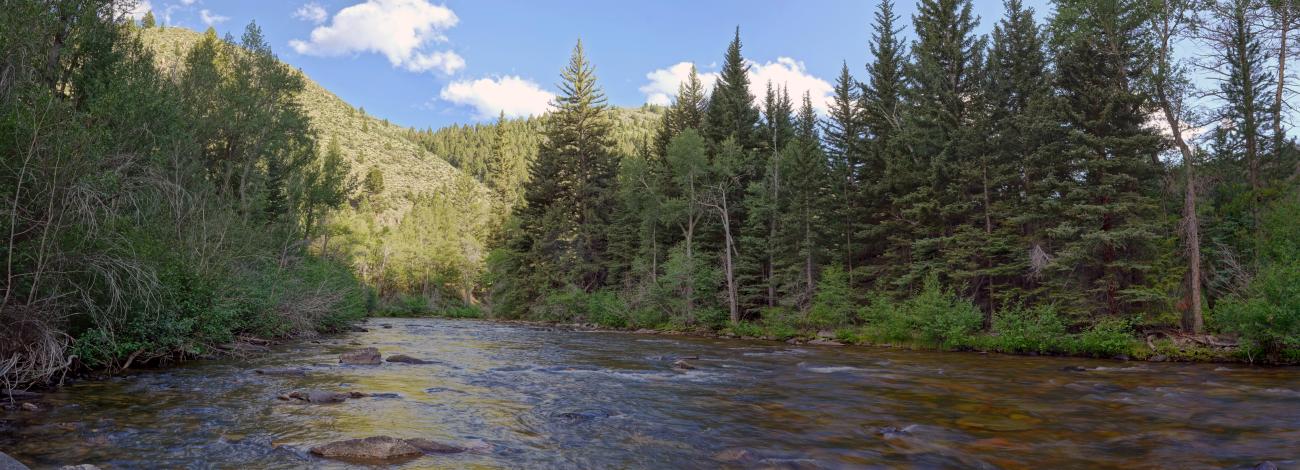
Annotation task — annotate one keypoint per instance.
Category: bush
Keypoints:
(941, 317)
(573, 305)
(1107, 338)
(833, 305)
(1038, 329)
(1268, 318)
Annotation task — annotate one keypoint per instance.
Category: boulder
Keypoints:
(826, 334)
(404, 359)
(375, 448)
(8, 463)
(434, 447)
(322, 396)
(365, 356)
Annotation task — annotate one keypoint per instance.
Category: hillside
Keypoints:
(410, 171)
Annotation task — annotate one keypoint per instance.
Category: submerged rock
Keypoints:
(402, 358)
(735, 455)
(1074, 369)
(376, 448)
(322, 396)
(681, 364)
(8, 463)
(434, 447)
(1266, 465)
(366, 356)
(281, 372)
(30, 407)
(825, 342)
(84, 466)
(387, 326)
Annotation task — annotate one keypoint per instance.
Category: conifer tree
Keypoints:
(731, 111)
(686, 112)
(845, 134)
(882, 114)
(1104, 235)
(564, 225)
(148, 20)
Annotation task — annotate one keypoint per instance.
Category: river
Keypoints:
(546, 398)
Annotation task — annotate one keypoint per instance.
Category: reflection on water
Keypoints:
(547, 399)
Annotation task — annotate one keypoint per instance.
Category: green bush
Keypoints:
(941, 317)
(1268, 318)
(573, 305)
(833, 305)
(1108, 337)
(1020, 330)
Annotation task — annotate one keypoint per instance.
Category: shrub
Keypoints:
(1268, 318)
(941, 317)
(832, 305)
(1109, 337)
(1038, 329)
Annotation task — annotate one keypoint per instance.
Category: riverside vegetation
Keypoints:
(168, 193)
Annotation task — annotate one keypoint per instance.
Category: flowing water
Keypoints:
(559, 399)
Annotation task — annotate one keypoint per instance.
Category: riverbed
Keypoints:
(541, 397)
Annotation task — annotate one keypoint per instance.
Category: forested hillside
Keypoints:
(1012, 192)
(153, 216)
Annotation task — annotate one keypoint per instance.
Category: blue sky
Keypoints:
(429, 64)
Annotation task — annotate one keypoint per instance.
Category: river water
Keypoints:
(543, 398)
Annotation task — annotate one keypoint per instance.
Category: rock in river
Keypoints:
(681, 364)
(376, 448)
(322, 396)
(365, 356)
(402, 358)
(285, 372)
(434, 447)
(8, 463)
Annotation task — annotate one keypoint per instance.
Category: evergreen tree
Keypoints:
(148, 21)
(731, 112)
(943, 91)
(686, 112)
(564, 226)
(845, 135)
(804, 214)
(882, 114)
(1103, 238)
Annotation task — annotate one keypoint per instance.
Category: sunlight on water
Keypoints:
(546, 399)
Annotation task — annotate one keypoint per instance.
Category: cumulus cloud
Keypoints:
(311, 11)
(664, 82)
(512, 95)
(784, 72)
(209, 18)
(138, 10)
(401, 30)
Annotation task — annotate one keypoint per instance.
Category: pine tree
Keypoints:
(1103, 238)
(762, 205)
(564, 225)
(882, 114)
(148, 21)
(686, 112)
(731, 112)
(845, 135)
(944, 81)
(805, 212)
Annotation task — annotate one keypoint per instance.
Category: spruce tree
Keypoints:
(563, 237)
(1103, 238)
(845, 134)
(686, 112)
(731, 112)
(148, 21)
(882, 113)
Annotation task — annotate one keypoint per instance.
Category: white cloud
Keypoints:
(188, 2)
(514, 96)
(310, 11)
(209, 18)
(664, 83)
(138, 10)
(784, 71)
(398, 29)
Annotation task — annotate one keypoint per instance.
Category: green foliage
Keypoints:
(1022, 330)
(1107, 338)
(1267, 314)
(833, 304)
(574, 305)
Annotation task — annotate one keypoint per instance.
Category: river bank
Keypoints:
(1161, 346)
(531, 396)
